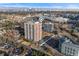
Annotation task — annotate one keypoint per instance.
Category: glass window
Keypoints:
(73, 51)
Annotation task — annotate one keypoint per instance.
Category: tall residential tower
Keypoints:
(33, 30)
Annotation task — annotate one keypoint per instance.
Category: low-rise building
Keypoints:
(69, 48)
(60, 19)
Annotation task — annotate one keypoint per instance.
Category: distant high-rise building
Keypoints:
(33, 31)
(49, 27)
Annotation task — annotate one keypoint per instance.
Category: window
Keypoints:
(71, 50)
(65, 50)
(74, 52)
(68, 49)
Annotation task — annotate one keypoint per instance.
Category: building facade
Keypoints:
(33, 31)
(49, 27)
(70, 49)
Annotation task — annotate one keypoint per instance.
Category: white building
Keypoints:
(70, 49)
(60, 19)
(33, 31)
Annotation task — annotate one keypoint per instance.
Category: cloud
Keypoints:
(67, 6)
(57, 6)
(72, 6)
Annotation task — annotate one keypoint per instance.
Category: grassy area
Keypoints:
(38, 53)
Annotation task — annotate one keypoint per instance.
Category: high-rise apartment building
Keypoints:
(49, 27)
(33, 31)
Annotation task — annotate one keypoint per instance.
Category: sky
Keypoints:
(42, 5)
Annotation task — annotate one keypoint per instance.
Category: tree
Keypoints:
(72, 30)
(8, 25)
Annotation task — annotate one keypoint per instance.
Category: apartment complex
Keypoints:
(49, 27)
(33, 30)
(70, 49)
